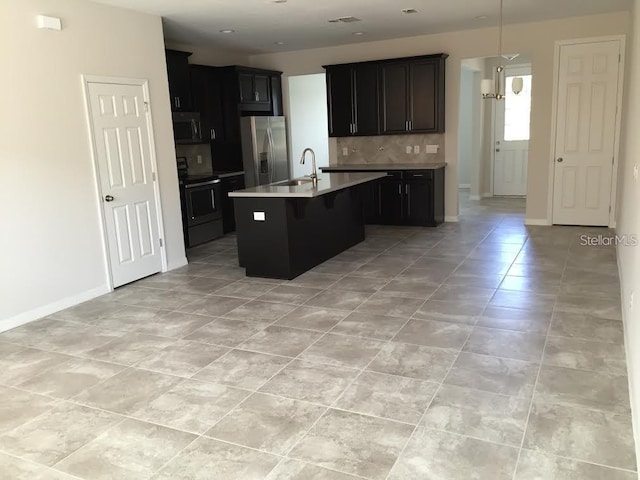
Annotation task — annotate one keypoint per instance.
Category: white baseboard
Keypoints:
(451, 219)
(537, 222)
(177, 264)
(43, 311)
(474, 197)
(464, 185)
(487, 195)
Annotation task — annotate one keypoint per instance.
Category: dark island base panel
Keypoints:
(297, 234)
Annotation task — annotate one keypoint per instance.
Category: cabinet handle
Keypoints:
(399, 189)
(213, 134)
(257, 96)
(178, 100)
(406, 187)
(410, 125)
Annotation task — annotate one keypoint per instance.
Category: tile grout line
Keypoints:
(535, 385)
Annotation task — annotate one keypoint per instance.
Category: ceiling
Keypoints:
(268, 26)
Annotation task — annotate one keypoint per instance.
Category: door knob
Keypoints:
(497, 149)
(560, 160)
(108, 198)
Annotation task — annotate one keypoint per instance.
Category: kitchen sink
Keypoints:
(297, 182)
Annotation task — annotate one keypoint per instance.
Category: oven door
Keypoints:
(203, 202)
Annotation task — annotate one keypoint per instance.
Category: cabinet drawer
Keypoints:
(419, 174)
(396, 175)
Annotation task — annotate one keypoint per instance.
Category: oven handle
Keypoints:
(202, 184)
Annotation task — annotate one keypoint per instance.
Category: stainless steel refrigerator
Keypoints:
(264, 150)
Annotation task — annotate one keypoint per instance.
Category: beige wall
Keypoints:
(628, 222)
(51, 248)
(535, 39)
(212, 56)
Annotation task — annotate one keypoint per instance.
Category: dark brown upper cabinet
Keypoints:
(385, 97)
(253, 90)
(179, 80)
(206, 95)
(352, 100)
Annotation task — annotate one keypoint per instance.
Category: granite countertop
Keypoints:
(204, 177)
(327, 182)
(383, 167)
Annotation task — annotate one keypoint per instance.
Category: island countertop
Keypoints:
(383, 167)
(327, 182)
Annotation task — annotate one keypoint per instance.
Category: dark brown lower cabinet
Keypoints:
(406, 198)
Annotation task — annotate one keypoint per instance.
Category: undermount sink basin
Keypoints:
(297, 182)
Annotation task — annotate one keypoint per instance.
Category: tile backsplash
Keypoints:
(198, 158)
(389, 149)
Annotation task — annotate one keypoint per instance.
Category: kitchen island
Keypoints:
(287, 228)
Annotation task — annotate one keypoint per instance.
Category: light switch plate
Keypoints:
(259, 216)
(409, 149)
(416, 149)
(345, 152)
(635, 172)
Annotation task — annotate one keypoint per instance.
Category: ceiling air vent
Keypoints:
(409, 10)
(349, 19)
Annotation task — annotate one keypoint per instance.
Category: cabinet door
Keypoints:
(262, 88)
(365, 100)
(339, 101)
(418, 202)
(394, 78)
(230, 184)
(247, 89)
(206, 94)
(179, 80)
(423, 89)
(276, 96)
(391, 199)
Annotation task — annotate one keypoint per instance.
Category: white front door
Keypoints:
(585, 132)
(120, 131)
(512, 136)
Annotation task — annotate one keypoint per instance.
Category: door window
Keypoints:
(517, 110)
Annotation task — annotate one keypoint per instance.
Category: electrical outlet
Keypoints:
(345, 152)
(416, 149)
(635, 172)
(433, 148)
(199, 159)
(409, 149)
(631, 301)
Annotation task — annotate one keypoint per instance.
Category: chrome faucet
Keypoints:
(314, 173)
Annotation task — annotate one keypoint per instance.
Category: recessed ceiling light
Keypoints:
(359, 33)
(409, 10)
(349, 19)
(227, 30)
(481, 17)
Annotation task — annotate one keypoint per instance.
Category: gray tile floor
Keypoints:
(477, 350)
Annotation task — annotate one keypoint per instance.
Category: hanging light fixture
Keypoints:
(494, 88)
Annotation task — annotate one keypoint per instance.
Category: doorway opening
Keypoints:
(493, 135)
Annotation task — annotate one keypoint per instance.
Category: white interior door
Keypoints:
(585, 132)
(512, 117)
(120, 130)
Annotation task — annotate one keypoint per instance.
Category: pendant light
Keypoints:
(494, 88)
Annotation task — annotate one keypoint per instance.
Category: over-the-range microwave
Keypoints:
(186, 127)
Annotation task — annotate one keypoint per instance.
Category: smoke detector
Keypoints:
(348, 19)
